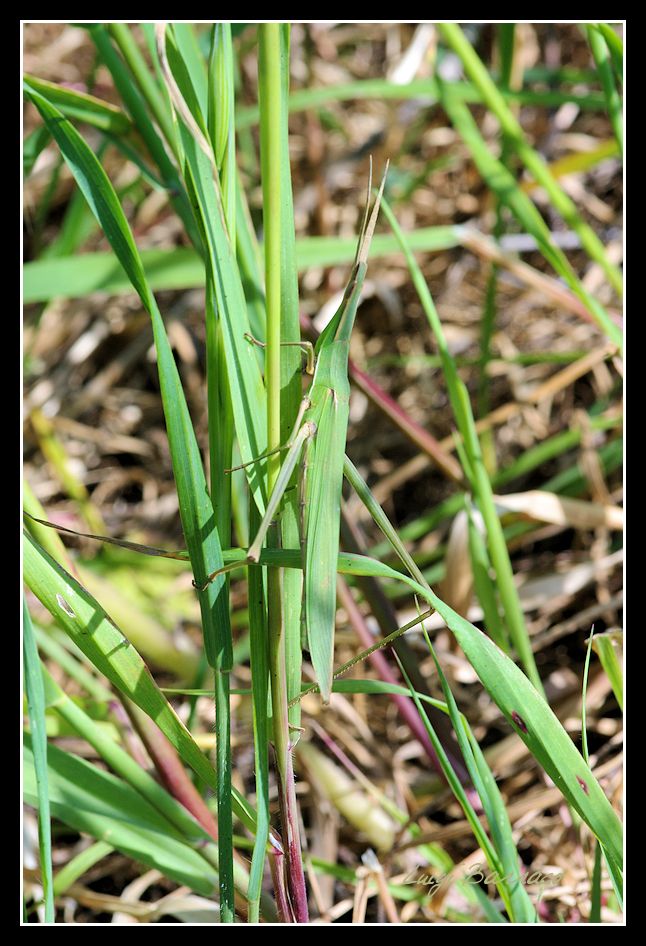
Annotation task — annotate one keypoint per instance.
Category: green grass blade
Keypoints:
(455, 784)
(139, 112)
(484, 585)
(105, 807)
(36, 708)
(91, 629)
(147, 85)
(532, 160)
(245, 381)
(601, 56)
(505, 186)
(182, 268)
(83, 107)
(259, 661)
(194, 63)
(195, 506)
(513, 892)
(78, 865)
(595, 887)
(608, 648)
(536, 724)
(381, 89)
(480, 482)
(616, 47)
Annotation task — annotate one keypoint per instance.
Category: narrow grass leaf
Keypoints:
(531, 158)
(91, 629)
(601, 56)
(83, 107)
(518, 904)
(505, 186)
(608, 647)
(195, 506)
(36, 708)
(103, 806)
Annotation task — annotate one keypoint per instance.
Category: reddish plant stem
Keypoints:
(409, 427)
(386, 617)
(170, 769)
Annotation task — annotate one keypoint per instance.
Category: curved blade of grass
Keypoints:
(83, 107)
(91, 629)
(102, 805)
(531, 158)
(78, 865)
(36, 708)
(535, 723)
(136, 106)
(505, 186)
(601, 56)
(245, 381)
(419, 88)
(616, 47)
(456, 786)
(513, 892)
(182, 268)
(608, 649)
(195, 507)
(480, 482)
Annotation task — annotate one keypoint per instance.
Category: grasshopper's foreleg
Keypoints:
(307, 346)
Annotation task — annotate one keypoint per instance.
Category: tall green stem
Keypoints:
(271, 127)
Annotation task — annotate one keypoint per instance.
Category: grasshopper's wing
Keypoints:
(324, 481)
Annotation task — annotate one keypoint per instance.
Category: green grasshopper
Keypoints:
(320, 430)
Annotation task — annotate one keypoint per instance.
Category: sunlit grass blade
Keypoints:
(195, 507)
(36, 708)
(82, 107)
(91, 629)
(608, 647)
(505, 186)
(602, 60)
(517, 902)
(103, 806)
(533, 161)
(182, 268)
(480, 482)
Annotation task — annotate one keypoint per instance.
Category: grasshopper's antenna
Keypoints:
(364, 222)
(369, 228)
